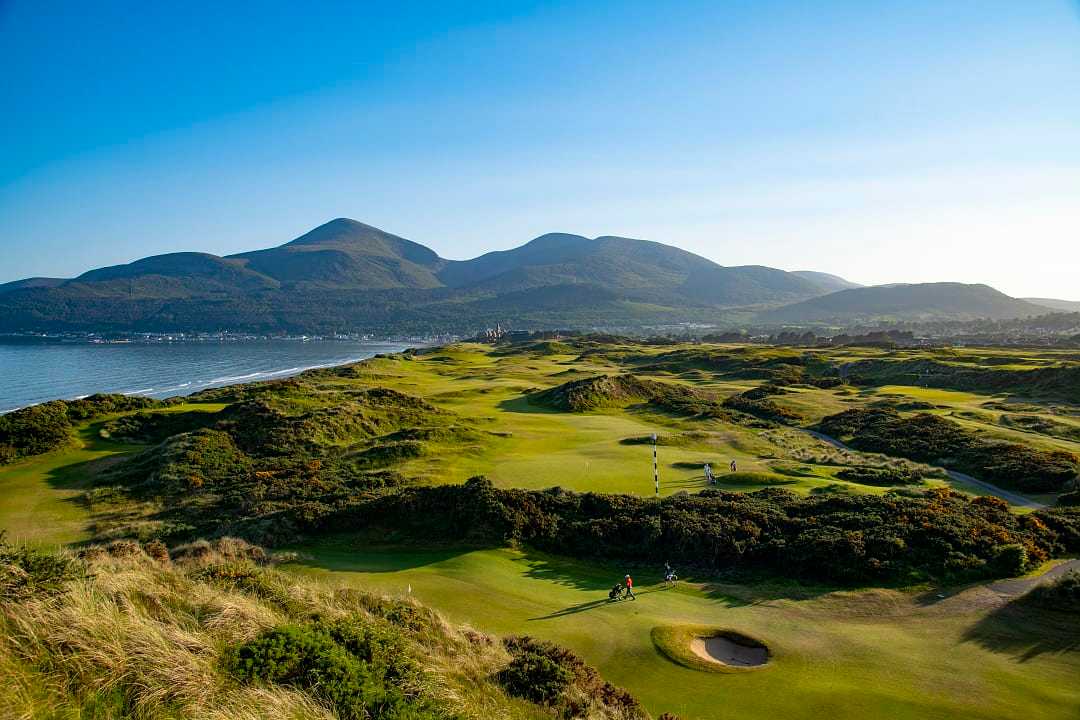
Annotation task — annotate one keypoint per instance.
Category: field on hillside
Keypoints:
(284, 463)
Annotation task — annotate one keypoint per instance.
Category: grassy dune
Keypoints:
(131, 634)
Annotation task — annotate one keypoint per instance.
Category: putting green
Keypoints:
(839, 655)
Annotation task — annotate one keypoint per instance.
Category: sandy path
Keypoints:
(1019, 586)
(728, 652)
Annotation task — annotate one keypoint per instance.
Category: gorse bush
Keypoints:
(262, 467)
(41, 428)
(154, 427)
(934, 439)
(756, 402)
(846, 538)
(880, 477)
(362, 671)
(536, 676)
(547, 674)
(34, 430)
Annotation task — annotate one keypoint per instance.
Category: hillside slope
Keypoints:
(1054, 304)
(826, 281)
(925, 301)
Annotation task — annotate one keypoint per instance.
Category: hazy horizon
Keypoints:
(903, 142)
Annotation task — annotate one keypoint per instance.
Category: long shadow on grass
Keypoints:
(522, 405)
(598, 576)
(1026, 632)
(570, 573)
(346, 553)
(79, 476)
(594, 604)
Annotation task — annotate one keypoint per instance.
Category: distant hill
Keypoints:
(1062, 305)
(827, 282)
(925, 301)
(347, 276)
(34, 282)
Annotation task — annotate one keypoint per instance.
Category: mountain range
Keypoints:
(345, 276)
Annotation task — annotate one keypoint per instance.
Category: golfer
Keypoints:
(630, 587)
(669, 574)
(708, 474)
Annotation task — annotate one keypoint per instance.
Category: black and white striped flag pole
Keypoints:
(655, 470)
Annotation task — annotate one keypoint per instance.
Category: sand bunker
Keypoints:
(730, 651)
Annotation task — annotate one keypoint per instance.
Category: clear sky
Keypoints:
(884, 140)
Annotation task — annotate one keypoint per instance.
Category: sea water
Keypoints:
(33, 372)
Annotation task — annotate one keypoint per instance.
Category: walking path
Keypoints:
(1019, 586)
(1011, 497)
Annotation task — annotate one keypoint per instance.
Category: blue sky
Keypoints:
(884, 141)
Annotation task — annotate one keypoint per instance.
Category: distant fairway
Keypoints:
(858, 655)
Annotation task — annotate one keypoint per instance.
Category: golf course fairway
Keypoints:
(856, 654)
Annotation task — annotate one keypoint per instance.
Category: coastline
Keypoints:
(38, 372)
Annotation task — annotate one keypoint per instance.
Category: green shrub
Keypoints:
(934, 439)
(154, 427)
(879, 477)
(756, 402)
(545, 673)
(251, 579)
(1061, 594)
(844, 537)
(536, 673)
(41, 428)
(28, 572)
(34, 430)
(360, 670)
(1010, 560)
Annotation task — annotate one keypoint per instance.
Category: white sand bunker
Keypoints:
(733, 651)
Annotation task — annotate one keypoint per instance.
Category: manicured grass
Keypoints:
(40, 497)
(866, 654)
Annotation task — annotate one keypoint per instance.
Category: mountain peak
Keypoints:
(557, 241)
(340, 229)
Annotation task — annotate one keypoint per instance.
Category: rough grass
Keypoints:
(150, 638)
